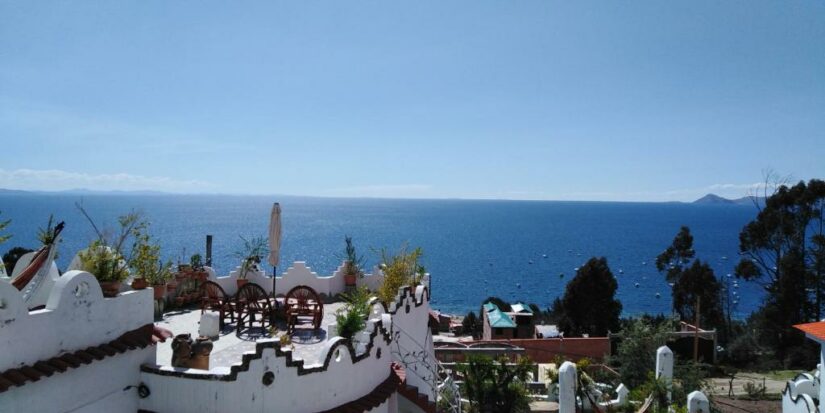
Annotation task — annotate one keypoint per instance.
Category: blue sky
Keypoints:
(642, 101)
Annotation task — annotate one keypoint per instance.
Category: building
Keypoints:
(85, 352)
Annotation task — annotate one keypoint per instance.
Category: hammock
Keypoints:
(29, 279)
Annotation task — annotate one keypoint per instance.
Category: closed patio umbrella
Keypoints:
(274, 241)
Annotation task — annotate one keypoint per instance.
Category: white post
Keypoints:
(821, 376)
(664, 368)
(622, 392)
(697, 402)
(567, 388)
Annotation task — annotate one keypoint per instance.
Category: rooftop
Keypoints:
(229, 348)
(500, 320)
(815, 330)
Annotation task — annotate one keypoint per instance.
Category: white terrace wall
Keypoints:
(412, 340)
(797, 397)
(298, 274)
(347, 373)
(296, 388)
(77, 316)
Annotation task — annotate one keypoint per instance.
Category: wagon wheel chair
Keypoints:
(214, 298)
(253, 304)
(303, 303)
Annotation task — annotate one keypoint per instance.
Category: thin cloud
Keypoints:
(57, 180)
(384, 190)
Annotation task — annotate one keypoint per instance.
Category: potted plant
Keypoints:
(250, 255)
(196, 262)
(145, 261)
(105, 257)
(106, 264)
(351, 318)
(353, 263)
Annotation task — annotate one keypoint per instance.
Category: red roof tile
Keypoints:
(816, 330)
(138, 338)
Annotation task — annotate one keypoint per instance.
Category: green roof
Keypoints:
(490, 307)
(499, 319)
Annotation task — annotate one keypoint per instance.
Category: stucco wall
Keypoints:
(298, 274)
(347, 372)
(77, 316)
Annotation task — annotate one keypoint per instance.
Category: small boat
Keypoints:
(658, 295)
(724, 258)
(576, 269)
(729, 275)
(637, 285)
(644, 262)
(621, 271)
(544, 255)
(518, 285)
(530, 262)
(561, 275)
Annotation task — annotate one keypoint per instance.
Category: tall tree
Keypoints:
(589, 305)
(781, 250)
(691, 279)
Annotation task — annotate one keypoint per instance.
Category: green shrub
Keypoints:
(352, 318)
(399, 270)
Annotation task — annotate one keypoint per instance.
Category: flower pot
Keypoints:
(110, 288)
(350, 280)
(160, 291)
(241, 282)
(201, 275)
(139, 284)
(172, 286)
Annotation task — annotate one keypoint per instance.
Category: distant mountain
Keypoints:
(713, 199)
(13, 192)
(81, 191)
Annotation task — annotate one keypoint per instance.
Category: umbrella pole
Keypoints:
(274, 274)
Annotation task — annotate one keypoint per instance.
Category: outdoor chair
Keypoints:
(214, 298)
(252, 305)
(303, 304)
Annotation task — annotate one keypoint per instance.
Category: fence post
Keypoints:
(664, 368)
(567, 388)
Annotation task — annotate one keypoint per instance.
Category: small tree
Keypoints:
(589, 305)
(636, 353)
(11, 256)
(471, 324)
(494, 386)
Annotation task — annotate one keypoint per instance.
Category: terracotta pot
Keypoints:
(110, 288)
(160, 291)
(139, 284)
(172, 286)
(350, 280)
(241, 282)
(201, 275)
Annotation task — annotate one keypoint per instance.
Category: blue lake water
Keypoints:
(473, 249)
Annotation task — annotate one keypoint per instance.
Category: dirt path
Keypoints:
(721, 385)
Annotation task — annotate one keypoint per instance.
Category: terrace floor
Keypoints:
(228, 348)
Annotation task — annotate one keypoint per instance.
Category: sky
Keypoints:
(614, 101)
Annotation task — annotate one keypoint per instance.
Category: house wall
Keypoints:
(77, 316)
(545, 350)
